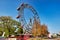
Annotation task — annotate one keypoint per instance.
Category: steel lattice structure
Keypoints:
(21, 16)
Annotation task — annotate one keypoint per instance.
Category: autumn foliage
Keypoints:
(44, 30)
(38, 29)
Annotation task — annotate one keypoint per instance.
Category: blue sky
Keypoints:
(48, 11)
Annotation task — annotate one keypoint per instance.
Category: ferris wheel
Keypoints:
(26, 28)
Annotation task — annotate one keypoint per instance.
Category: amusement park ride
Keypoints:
(26, 27)
(35, 28)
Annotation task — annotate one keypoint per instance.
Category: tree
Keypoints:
(1, 33)
(8, 25)
(36, 29)
(44, 30)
